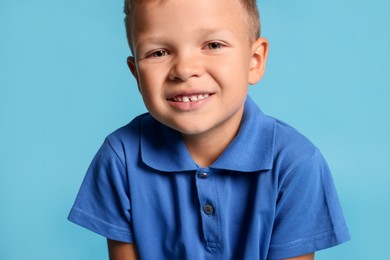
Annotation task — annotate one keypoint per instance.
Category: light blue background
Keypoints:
(64, 86)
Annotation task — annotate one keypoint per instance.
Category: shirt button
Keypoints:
(208, 209)
(203, 175)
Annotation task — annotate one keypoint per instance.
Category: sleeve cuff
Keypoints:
(310, 244)
(100, 226)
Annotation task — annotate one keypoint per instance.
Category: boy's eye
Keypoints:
(159, 53)
(214, 45)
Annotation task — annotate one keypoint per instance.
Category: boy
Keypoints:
(205, 174)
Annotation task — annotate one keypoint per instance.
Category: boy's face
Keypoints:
(193, 61)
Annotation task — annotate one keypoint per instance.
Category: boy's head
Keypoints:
(249, 13)
(193, 61)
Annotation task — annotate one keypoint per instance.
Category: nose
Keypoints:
(184, 67)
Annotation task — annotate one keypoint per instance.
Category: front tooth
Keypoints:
(193, 98)
(186, 99)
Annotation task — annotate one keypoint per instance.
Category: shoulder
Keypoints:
(278, 137)
(125, 138)
(275, 144)
(290, 143)
(127, 133)
(295, 153)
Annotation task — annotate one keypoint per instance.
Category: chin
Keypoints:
(189, 131)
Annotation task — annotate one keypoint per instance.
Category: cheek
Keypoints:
(233, 74)
(236, 63)
(151, 88)
(147, 81)
(152, 75)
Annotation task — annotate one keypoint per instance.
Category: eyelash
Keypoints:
(162, 53)
(217, 45)
(155, 54)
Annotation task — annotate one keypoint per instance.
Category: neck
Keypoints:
(207, 150)
(207, 147)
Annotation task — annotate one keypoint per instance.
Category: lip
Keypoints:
(176, 100)
(187, 92)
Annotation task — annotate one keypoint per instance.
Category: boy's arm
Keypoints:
(303, 257)
(121, 251)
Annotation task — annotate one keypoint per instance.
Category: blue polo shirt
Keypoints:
(270, 195)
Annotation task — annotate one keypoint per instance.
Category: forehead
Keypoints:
(184, 15)
(132, 4)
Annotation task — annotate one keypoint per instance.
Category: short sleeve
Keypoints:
(308, 215)
(102, 204)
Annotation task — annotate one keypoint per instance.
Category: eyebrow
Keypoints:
(209, 31)
(203, 31)
(147, 39)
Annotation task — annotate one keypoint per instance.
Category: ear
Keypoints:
(132, 67)
(259, 53)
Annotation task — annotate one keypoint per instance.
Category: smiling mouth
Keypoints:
(190, 98)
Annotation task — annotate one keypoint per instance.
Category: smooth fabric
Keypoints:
(270, 195)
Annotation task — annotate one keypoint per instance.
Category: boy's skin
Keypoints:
(186, 48)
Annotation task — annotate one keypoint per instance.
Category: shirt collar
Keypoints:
(163, 148)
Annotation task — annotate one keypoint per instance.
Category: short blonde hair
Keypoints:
(251, 14)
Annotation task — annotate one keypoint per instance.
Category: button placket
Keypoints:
(208, 198)
(203, 175)
(208, 209)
